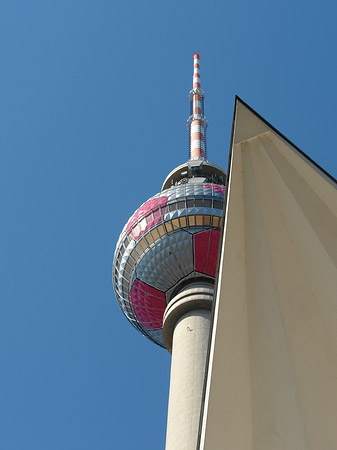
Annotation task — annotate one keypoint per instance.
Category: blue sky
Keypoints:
(92, 118)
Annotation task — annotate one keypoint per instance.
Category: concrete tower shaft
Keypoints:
(185, 332)
(187, 317)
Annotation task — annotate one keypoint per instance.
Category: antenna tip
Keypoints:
(196, 55)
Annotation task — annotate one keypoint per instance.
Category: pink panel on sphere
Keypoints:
(206, 246)
(146, 223)
(215, 187)
(201, 241)
(148, 304)
(213, 252)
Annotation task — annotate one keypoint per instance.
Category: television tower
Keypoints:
(164, 269)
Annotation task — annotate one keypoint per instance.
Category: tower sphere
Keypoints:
(173, 237)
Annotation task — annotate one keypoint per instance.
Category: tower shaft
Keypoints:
(186, 331)
(164, 271)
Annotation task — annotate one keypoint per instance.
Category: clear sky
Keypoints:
(93, 109)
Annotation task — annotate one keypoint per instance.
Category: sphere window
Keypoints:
(172, 207)
(157, 214)
(207, 220)
(149, 219)
(198, 220)
(216, 221)
(149, 238)
(175, 223)
(191, 221)
(161, 230)
(183, 222)
(155, 233)
(218, 204)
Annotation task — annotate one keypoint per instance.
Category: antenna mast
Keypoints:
(197, 122)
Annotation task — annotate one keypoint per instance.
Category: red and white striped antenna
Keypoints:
(197, 122)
